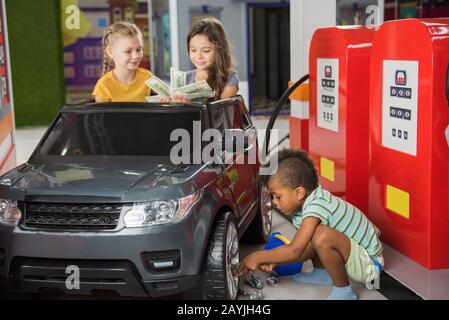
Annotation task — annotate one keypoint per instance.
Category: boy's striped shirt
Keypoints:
(341, 216)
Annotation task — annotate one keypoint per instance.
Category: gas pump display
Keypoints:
(400, 105)
(327, 94)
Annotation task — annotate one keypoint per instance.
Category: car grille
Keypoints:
(72, 216)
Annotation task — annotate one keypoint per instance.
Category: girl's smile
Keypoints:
(126, 52)
(202, 52)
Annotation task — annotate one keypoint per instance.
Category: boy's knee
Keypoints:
(320, 238)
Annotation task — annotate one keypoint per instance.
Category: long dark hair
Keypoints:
(217, 75)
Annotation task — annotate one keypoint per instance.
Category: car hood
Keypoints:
(118, 182)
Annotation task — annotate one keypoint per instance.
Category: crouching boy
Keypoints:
(335, 235)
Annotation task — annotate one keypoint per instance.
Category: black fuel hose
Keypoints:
(278, 108)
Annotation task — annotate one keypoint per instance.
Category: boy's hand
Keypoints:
(267, 267)
(249, 264)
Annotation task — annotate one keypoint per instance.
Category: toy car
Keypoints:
(102, 195)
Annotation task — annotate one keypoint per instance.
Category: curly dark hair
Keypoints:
(295, 169)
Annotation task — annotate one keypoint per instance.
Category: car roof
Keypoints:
(146, 106)
(134, 106)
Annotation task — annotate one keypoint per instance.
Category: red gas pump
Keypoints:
(7, 144)
(338, 125)
(409, 151)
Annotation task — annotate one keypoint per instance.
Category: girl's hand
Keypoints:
(180, 99)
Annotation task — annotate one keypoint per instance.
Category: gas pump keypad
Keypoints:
(328, 99)
(400, 105)
(328, 83)
(401, 113)
(401, 92)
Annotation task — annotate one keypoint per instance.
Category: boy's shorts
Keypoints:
(360, 266)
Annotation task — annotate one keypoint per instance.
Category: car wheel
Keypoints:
(222, 253)
(260, 228)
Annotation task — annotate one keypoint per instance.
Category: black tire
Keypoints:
(260, 228)
(221, 254)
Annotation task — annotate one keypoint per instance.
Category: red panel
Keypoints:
(348, 146)
(299, 133)
(424, 236)
(9, 162)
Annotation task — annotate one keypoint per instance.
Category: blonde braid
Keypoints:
(106, 62)
(106, 42)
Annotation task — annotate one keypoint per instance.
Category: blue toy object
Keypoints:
(275, 240)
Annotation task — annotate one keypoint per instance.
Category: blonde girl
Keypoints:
(122, 78)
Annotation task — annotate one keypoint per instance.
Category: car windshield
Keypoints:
(116, 133)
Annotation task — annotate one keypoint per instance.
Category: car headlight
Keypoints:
(9, 212)
(150, 213)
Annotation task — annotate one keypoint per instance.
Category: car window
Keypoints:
(234, 116)
(219, 118)
(116, 133)
(226, 117)
(246, 122)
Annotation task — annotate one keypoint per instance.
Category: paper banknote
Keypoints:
(177, 78)
(159, 86)
(153, 98)
(178, 88)
(193, 96)
(200, 86)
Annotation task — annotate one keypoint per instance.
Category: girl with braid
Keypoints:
(122, 80)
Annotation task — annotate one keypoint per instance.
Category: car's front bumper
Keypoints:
(127, 261)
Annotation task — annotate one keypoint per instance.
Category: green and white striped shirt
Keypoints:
(341, 216)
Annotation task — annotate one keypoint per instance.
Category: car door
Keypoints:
(240, 174)
(248, 165)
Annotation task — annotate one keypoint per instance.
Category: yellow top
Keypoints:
(109, 89)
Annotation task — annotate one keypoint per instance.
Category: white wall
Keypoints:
(305, 17)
